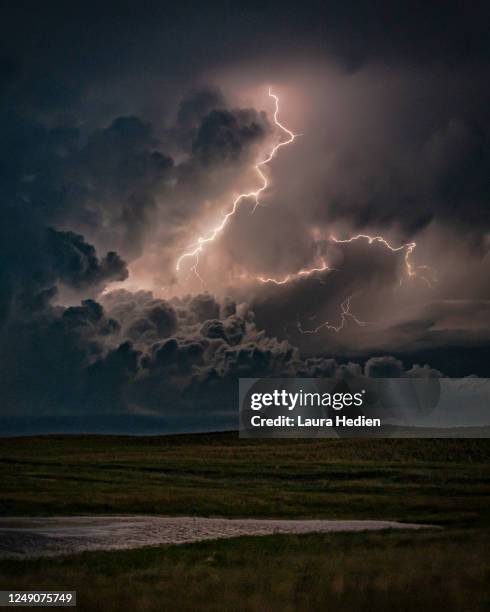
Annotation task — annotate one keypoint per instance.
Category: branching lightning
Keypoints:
(345, 314)
(409, 248)
(294, 275)
(411, 269)
(196, 248)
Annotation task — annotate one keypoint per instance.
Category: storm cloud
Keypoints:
(128, 134)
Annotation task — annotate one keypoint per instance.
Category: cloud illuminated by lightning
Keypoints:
(345, 314)
(411, 269)
(294, 275)
(196, 248)
(409, 248)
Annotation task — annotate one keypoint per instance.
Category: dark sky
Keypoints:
(129, 129)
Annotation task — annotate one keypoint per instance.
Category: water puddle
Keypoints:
(33, 537)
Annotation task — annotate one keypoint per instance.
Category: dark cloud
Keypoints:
(108, 183)
(125, 135)
(36, 259)
(43, 358)
(309, 301)
(192, 109)
(84, 361)
(76, 264)
(390, 367)
(440, 176)
(182, 40)
(225, 135)
(112, 182)
(204, 306)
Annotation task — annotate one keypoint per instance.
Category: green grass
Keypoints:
(445, 482)
(438, 481)
(434, 570)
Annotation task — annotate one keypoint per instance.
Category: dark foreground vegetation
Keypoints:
(432, 481)
(339, 572)
(443, 482)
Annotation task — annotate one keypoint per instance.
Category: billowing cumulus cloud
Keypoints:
(126, 140)
(136, 356)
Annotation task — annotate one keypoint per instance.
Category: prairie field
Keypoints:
(441, 482)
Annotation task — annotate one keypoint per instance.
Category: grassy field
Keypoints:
(445, 482)
(441, 481)
(339, 572)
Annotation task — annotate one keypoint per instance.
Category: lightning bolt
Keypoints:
(294, 275)
(345, 314)
(409, 248)
(194, 269)
(197, 247)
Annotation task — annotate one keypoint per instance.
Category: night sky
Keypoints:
(127, 132)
